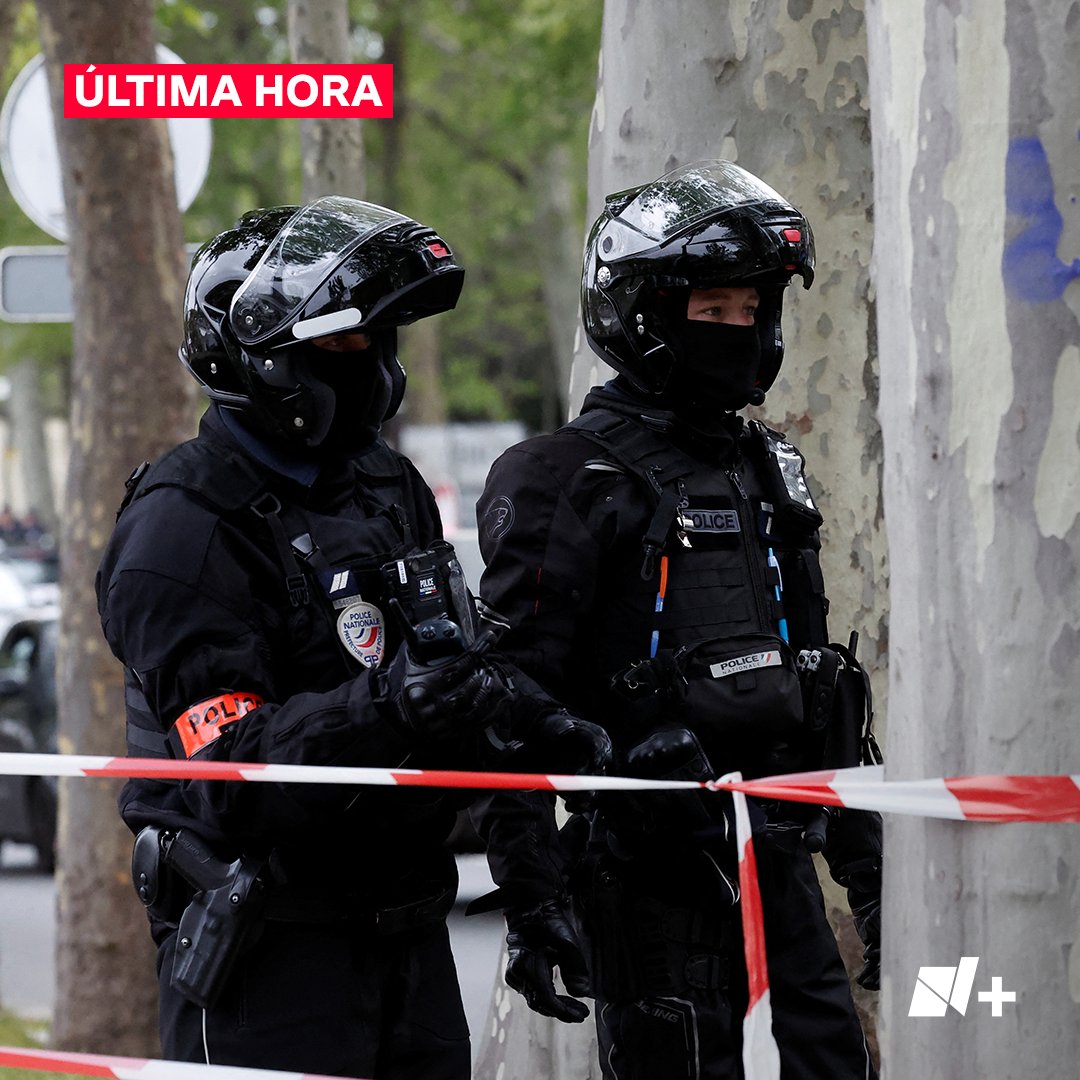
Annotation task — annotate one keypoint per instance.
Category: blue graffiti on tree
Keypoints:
(1030, 264)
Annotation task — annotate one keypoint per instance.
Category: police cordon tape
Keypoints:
(123, 1068)
(760, 1053)
(990, 798)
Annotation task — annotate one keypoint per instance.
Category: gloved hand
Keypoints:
(538, 939)
(671, 753)
(864, 898)
(568, 745)
(439, 701)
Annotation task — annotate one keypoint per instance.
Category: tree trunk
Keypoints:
(331, 148)
(780, 88)
(28, 441)
(129, 402)
(560, 269)
(975, 177)
(419, 348)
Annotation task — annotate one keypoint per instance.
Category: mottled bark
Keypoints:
(331, 148)
(976, 158)
(129, 402)
(781, 87)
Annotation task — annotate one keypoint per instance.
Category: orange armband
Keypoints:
(203, 722)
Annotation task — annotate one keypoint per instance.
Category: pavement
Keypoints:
(27, 934)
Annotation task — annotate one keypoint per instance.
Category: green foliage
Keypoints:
(483, 91)
(17, 1032)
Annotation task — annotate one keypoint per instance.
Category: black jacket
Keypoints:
(200, 596)
(563, 524)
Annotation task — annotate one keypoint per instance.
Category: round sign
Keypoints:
(30, 159)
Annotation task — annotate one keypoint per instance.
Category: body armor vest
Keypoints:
(328, 562)
(695, 627)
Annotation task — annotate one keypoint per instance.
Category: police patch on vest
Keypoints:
(710, 521)
(362, 630)
(750, 662)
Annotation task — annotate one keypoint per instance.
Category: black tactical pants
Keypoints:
(696, 1034)
(322, 999)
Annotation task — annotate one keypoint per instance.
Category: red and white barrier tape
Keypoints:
(123, 1068)
(999, 798)
(761, 1055)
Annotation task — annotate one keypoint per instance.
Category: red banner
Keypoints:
(229, 90)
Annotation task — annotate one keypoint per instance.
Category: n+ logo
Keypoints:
(938, 989)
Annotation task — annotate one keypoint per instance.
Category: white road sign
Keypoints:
(31, 162)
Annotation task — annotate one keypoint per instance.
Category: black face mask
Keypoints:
(717, 372)
(361, 391)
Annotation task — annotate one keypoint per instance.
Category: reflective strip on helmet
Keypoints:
(330, 323)
(203, 722)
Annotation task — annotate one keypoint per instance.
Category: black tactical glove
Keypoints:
(866, 912)
(561, 743)
(671, 753)
(441, 700)
(853, 851)
(538, 939)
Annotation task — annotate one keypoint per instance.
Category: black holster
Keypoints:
(222, 917)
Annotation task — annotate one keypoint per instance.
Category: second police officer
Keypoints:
(250, 590)
(657, 560)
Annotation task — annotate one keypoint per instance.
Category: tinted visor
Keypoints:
(303, 254)
(677, 201)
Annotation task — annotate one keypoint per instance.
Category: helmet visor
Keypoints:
(306, 250)
(677, 201)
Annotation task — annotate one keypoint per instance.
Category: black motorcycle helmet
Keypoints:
(259, 293)
(703, 225)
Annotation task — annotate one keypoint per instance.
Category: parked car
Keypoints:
(38, 571)
(28, 725)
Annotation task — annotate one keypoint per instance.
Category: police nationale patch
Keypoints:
(750, 662)
(498, 517)
(362, 630)
(710, 521)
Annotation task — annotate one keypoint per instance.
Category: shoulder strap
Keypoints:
(226, 483)
(222, 480)
(652, 458)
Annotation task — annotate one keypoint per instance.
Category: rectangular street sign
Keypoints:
(35, 285)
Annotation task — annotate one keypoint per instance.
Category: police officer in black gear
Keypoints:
(657, 560)
(249, 589)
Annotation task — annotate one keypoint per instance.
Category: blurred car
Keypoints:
(28, 725)
(38, 572)
(14, 601)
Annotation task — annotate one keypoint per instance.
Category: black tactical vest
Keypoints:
(693, 624)
(325, 561)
